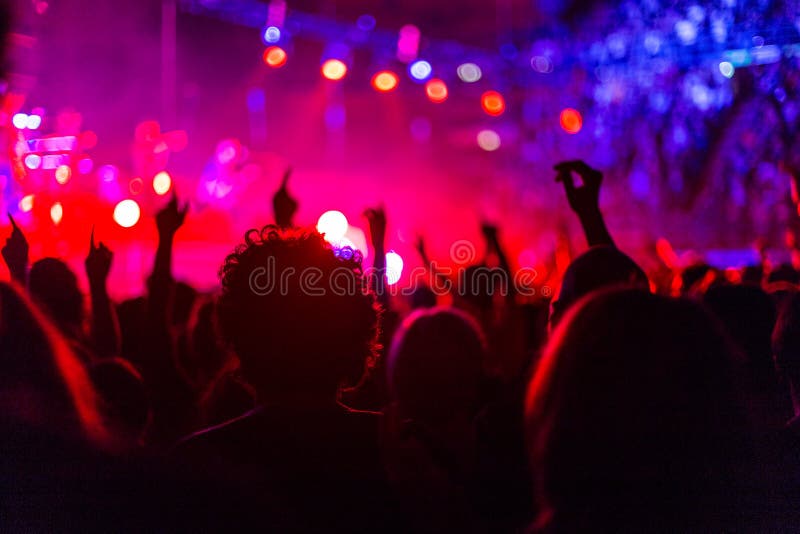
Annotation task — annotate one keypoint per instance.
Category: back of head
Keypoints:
(43, 384)
(632, 414)
(599, 267)
(435, 364)
(298, 314)
(54, 287)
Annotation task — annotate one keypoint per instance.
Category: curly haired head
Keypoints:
(299, 314)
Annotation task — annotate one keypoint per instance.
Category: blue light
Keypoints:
(272, 34)
(366, 23)
(726, 69)
(420, 70)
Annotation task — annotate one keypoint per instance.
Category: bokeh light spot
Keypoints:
(26, 203)
(436, 90)
(127, 213)
(162, 182)
(275, 57)
(334, 69)
(488, 140)
(469, 72)
(571, 120)
(420, 70)
(394, 267)
(493, 103)
(385, 81)
(333, 224)
(63, 174)
(56, 213)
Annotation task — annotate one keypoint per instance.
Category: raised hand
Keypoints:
(171, 217)
(421, 250)
(489, 232)
(582, 199)
(283, 204)
(585, 200)
(15, 252)
(98, 261)
(377, 225)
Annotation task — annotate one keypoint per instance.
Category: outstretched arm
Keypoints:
(438, 280)
(168, 221)
(104, 329)
(377, 231)
(493, 246)
(584, 200)
(15, 254)
(283, 204)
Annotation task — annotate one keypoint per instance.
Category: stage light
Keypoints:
(136, 185)
(571, 120)
(108, 173)
(469, 72)
(127, 213)
(334, 69)
(162, 183)
(333, 224)
(56, 213)
(33, 161)
(85, 166)
(20, 121)
(686, 31)
(26, 203)
(408, 43)
(436, 90)
(366, 23)
(63, 174)
(275, 57)
(385, 81)
(420, 70)
(33, 122)
(272, 34)
(488, 140)
(394, 267)
(228, 151)
(493, 103)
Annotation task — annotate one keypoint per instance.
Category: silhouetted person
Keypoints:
(634, 422)
(435, 375)
(124, 404)
(599, 267)
(300, 338)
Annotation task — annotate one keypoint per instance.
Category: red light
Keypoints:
(493, 103)
(385, 81)
(436, 90)
(571, 120)
(275, 57)
(334, 69)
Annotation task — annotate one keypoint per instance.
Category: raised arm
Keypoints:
(168, 221)
(15, 254)
(493, 246)
(283, 204)
(584, 200)
(104, 330)
(438, 280)
(377, 231)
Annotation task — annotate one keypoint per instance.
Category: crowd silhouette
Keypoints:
(300, 397)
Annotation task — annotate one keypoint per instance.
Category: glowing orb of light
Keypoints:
(436, 90)
(272, 34)
(571, 120)
(33, 122)
(394, 267)
(85, 166)
(127, 213)
(56, 213)
(488, 140)
(420, 70)
(136, 185)
(32, 161)
(493, 103)
(385, 81)
(108, 173)
(727, 69)
(63, 174)
(469, 72)
(275, 57)
(162, 183)
(334, 69)
(333, 224)
(26, 203)
(20, 121)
